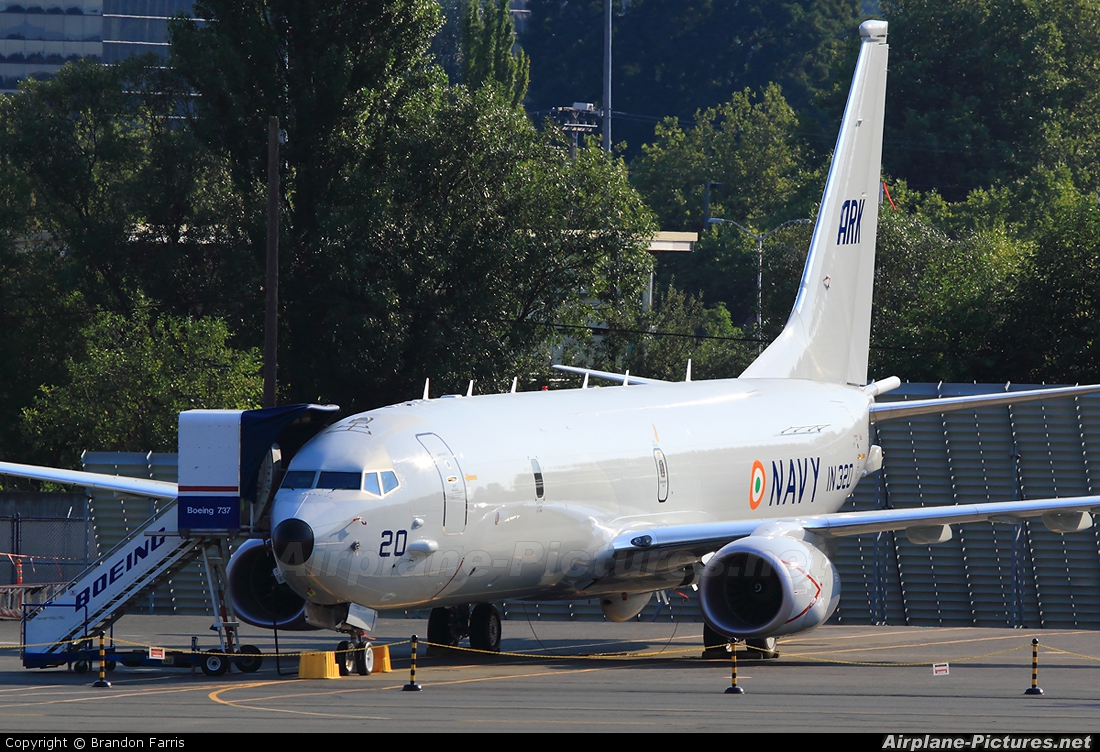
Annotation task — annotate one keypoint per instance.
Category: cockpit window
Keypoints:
(389, 481)
(340, 480)
(370, 484)
(299, 479)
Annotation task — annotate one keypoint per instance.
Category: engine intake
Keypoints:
(258, 598)
(774, 582)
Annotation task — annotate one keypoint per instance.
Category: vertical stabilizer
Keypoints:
(827, 335)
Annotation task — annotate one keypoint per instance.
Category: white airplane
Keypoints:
(616, 493)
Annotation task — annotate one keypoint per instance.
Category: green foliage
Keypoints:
(658, 342)
(749, 145)
(332, 72)
(1055, 316)
(488, 35)
(982, 93)
(674, 57)
(124, 392)
(940, 302)
(128, 203)
(472, 238)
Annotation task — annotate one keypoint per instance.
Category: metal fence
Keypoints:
(44, 538)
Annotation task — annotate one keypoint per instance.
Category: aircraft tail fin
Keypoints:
(828, 333)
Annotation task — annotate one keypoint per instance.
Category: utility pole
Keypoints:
(607, 77)
(271, 287)
(576, 121)
(760, 238)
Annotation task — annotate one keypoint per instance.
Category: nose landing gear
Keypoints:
(355, 656)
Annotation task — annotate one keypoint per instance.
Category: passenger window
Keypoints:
(389, 481)
(340, 480)
(299, 479)
(370, 484)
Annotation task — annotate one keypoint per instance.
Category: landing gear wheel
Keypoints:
(485, 628)
(364, 660)
(109, 665)
(81, 667)
(762, 649)
(345, 659)
(446, 626)
(214, 664)
(250, 660)
(714, 644)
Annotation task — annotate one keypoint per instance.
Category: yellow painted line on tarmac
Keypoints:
(249, 704)
(95, 695)
(935, 643)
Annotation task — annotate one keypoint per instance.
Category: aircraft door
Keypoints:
(450, 476)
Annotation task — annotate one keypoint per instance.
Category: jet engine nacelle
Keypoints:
(774, 582)
(258, 597)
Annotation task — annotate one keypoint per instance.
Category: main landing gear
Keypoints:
(355, 656)
(447, 626)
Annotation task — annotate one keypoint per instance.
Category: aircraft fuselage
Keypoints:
(517, 495)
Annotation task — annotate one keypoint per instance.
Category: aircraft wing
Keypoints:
(881, 411)
(158, 489)
(618, 377)
(706, 537)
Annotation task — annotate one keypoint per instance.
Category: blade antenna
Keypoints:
(626, 378)
(584, 384)
(426, 389)
(515, 380)
(470, 389)
(687, 377)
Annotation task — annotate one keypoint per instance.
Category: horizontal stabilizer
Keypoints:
(907, 409)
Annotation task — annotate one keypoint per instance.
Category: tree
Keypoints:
(940, 302)
(488, 35)
(982, 93)
(132, 204)
(465, 249)
(333, 73)
(658, 342)
(674, 57)
(1054, 319)
(125, 391)
(430, 231)
(748, 146)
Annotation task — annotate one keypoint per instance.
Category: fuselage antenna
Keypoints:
(584, 384)
(426, 389)
(470, 389)
(515, 380)
(687, 377)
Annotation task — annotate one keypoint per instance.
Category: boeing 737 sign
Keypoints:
(612, 494)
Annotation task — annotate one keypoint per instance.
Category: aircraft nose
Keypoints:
(292, 540)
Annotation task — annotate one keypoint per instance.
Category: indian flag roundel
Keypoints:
(758, 482)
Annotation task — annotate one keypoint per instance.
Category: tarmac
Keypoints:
(584, 676)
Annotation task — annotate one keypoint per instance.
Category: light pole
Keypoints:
(760, 238)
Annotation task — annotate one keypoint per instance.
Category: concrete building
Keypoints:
(37, 37)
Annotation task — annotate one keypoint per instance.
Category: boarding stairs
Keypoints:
(94, 600)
